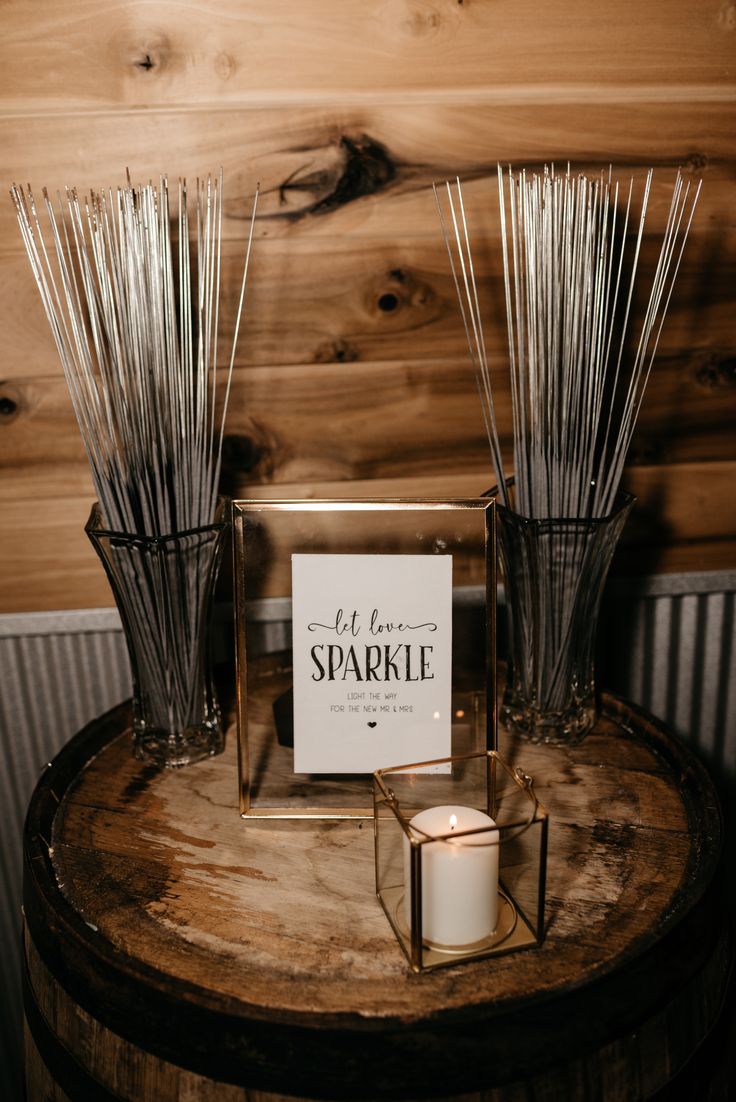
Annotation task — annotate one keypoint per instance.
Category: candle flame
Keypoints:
(453, 822)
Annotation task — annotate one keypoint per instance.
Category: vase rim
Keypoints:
(95, 527)
(622, 503)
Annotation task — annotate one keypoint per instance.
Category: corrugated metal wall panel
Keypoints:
(674, 654)
(667, 643)
(57, 672)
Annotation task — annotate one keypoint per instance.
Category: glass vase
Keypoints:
(164, 590)
(554, 573)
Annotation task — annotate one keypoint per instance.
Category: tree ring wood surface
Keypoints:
(255, 954)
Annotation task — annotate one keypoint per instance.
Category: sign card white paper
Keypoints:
(372, 637)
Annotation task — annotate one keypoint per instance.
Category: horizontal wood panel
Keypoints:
(346, 300)
(688, 502)
(48, 562)
(683, 520)
(352, 367)
(357, 421)
(79, 56)
(322, 170)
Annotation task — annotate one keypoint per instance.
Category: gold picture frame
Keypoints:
(266, 534)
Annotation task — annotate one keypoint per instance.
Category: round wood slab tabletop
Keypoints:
(256, 953)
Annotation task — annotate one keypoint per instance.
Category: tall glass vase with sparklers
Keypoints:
(579, 362)
(134, 308)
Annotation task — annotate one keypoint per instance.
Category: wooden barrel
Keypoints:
(174, 952)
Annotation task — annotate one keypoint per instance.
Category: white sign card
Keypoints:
(372, 646)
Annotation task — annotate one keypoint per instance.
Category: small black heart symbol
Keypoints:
(371, 723)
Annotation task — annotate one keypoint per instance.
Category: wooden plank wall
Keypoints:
(352, 376)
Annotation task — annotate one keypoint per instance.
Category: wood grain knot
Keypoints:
(717, 373)
(241, 453)
(350, 169)
(225, 65)
(152, 55)
(645, 453)
(9, 404)
(255, 449)
(404, 291)
(422, 21)
(337, 351)
(727, 16)
(366, 169)
(388, 302)
(696, 163)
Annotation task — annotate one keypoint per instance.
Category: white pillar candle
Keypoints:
(459, 878)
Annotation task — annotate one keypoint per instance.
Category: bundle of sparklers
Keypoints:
(579, 360)
(136, 329)
(138, 341)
